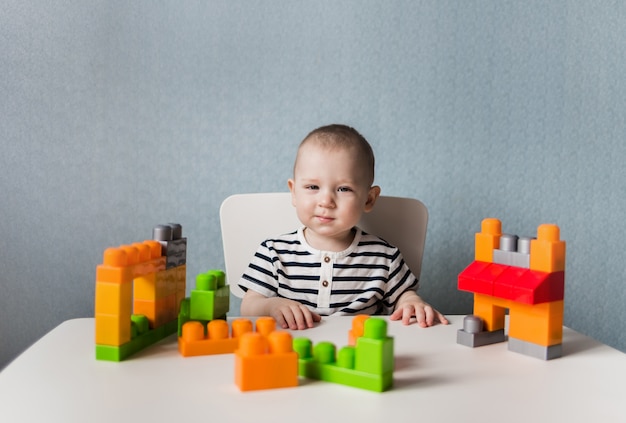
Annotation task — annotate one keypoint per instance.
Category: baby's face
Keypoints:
(330, 193)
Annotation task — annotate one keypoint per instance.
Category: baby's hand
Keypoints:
(291, 314)
(423, 312)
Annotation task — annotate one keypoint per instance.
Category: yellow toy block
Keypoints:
(487, 239)
(112, 330)
(145, 287)
(113, 298)
(547, 252)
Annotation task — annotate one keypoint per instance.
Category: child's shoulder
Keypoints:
(371, 239)
(289, 237)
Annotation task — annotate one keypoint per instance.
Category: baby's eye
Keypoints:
(344, 189)
(311, 187)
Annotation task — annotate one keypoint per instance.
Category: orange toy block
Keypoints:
(358, 327)
(266, 362)
(491, 310)
(193, 341)
(158, 312)
(487, 239)
(540, 324)
(547, 252)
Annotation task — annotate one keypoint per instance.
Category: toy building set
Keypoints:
(140, 299)
(525, 276)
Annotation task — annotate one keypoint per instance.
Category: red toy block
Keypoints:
(504, 284)
(539, 287)
(478, 277)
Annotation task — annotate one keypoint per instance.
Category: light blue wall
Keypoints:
(116, 116)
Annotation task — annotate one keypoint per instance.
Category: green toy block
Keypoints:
(183, 314)
(211, 298)
(141, 341)
(368, 365)
(139, 325)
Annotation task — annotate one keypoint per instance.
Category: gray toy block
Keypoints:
(511, 258)
(479, 339)
(513, 251)
(472, 324)
(533, 350)
(174, 246)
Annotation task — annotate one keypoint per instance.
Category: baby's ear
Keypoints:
(372, 196)
(291, 184)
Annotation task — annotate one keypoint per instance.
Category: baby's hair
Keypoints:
(344, 137)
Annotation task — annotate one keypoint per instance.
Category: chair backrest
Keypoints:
(249, 219)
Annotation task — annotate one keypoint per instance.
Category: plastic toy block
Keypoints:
(216, 339)
(538, 287)
(121, 352)
(122, 264)
(513, 251)
(491, 313)
(533, 350)
(358, 326)
(174, 246)
(265, 325)
(547, 252)
(180, 278)
(480, 339)
(512, 283)
(209, 300)
(208, 338)
(112, 329)
(473, 335)
(266, 362)
(158, 312)
(473, 324)
(541, 324)
(183, 315)
(487, 239)
(139, 325)
(367, 365)
(113, 298)
(145, 287)
(478, 277)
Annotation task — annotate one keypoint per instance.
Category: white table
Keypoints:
(436, 380)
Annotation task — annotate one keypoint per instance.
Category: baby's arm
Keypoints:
(410, 304)
(288, 313)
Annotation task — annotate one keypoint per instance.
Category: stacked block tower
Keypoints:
(138, 290)
(525, 276)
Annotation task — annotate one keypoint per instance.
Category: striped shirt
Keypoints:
(366, 278)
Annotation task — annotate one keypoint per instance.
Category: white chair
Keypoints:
(249, 219)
